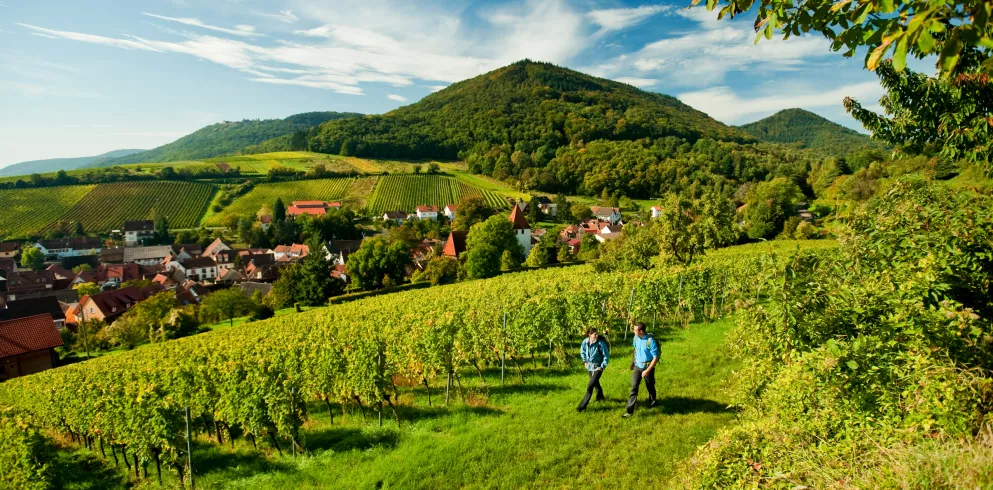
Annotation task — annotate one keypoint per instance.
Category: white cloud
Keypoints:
(241, 30)
(723, 104)
(355, 42)
(437, 88)
(638, 82)
(709, 53)
(621, 18)
(90, 38)
(46, 36)
(398, 98)
(285, 16)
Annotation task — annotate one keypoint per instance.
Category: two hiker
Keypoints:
(595, 352)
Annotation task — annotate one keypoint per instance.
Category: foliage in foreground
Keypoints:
(23, 452)
(881, 349)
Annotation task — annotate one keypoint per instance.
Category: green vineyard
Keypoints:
(23, 212)
(266, 194)
(107, 206)
(406, 192)
(260, 380)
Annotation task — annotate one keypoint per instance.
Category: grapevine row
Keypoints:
(406, 192)
(26, 211)
(108, 205)
(262, 378)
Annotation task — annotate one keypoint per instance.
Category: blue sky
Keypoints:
(80, 78)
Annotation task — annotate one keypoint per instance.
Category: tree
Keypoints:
(768, 206)
(127, 331)
(161, 229)
(581, 213)
(486, 244)
(441, 269)
(284, 290)
(153, 313)
(434, 168)
(78, 229)
(509, 261)
(563, 208)
(377, 258)
(316, 284)
(545, 252)
(185, 237)
(86, 289)
(82, 267)
(953, 109)
(681, 233)
(563, 255)
(417, 168)
(278, 210)
(589, 247)
(32, 258)
(957, 32)
(226, 304)
(534, 211)
(472, 209)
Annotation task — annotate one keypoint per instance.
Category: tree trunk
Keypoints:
(330, 413)
(102, 452)
(217, 432)
(158, 465)
(252, 437)
(114, 454)
(275, 443)
(124, 454)
(428, 388)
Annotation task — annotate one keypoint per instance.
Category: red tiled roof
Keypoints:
(142, 225)
(8, 247)
(455, 245)
(452, 207)
(518, 219)
(198, 262)
(427, 209)
(298, 210)
(28, 335)
(121, 299)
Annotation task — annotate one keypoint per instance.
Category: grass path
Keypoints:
(521, 436)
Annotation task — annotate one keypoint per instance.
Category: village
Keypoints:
(52, 286)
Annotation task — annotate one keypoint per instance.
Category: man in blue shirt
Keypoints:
(595, 353)
(646, 356)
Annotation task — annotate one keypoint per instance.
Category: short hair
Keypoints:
(639, 325)
(591, 331)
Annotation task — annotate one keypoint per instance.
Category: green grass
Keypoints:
(107, 206)
(519, 436)
(24, 212)
(406, 192)
(266, 194)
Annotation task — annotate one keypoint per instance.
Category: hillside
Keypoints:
(515, 118)
(56, 164)
(797, 126)
(227, 138)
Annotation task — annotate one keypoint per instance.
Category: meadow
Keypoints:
(266, 195)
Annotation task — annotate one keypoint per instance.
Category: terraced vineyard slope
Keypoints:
(107, 206)
(406, 192)
(266, 194)
(23, 212)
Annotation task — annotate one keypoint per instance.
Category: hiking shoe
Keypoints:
(653, 403)
(627, 414)
(580, 409)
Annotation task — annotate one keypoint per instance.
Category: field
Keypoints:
(25, 211)
(266, 194)
(107, 206)
(518, 436)
(406, 192)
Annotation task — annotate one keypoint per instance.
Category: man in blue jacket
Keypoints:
(595, 353)
(646, 356)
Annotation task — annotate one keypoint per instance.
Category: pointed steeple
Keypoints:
(517, 218)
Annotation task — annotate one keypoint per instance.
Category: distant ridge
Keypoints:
(808, 130)
(56, 164)
(227, 138)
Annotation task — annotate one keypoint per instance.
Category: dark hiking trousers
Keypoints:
(636, 383)
(594, 384)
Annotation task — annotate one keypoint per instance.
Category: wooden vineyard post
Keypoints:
(679, 301)
(189, 448)
(503, 347)
(630, 304)
(380, 366)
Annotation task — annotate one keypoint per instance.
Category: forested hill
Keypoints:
(797, 126)
(527, 107)
(228, 137)
(56, 164)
